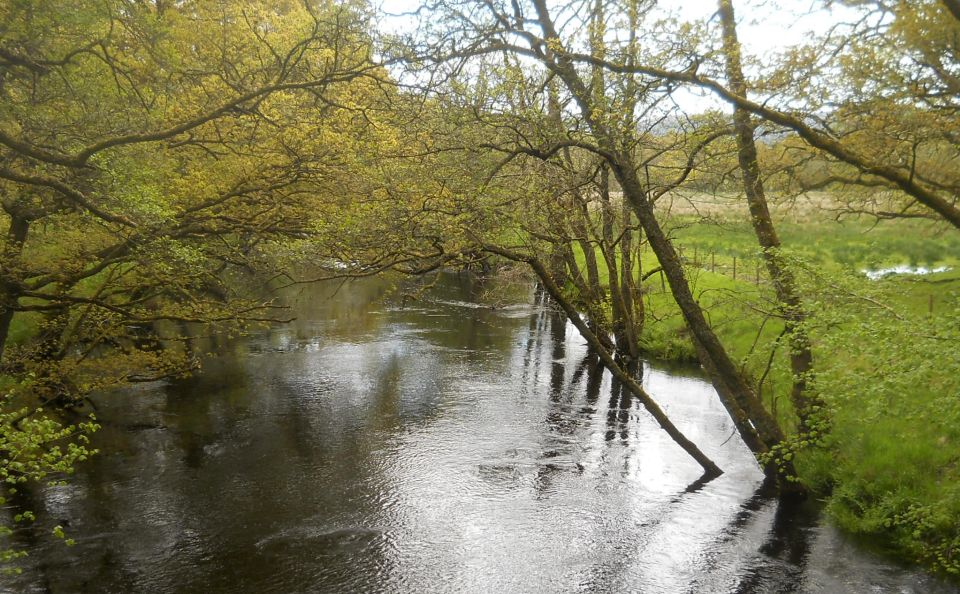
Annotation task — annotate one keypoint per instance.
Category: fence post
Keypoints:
(734, 268)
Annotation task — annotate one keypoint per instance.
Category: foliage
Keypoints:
(149, 164)
(164, 165)
(35, 447)
(892, 461)
(152, 157)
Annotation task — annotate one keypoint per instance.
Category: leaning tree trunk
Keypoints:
(791, 306)
(710, 468)
(756, 426)
(588, 300)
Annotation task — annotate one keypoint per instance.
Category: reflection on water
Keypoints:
(456, 444)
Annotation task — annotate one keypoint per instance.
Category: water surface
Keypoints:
(463, 443)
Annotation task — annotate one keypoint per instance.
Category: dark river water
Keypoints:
(462, 443)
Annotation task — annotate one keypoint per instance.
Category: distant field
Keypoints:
(721, 225)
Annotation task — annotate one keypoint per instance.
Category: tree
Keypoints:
(491, 28)
(151, 157)
(220, 120)
(791, 305)
(848, 125)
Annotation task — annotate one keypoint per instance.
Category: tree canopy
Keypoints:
(165, 167)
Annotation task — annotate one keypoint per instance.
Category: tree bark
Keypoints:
(759, 430)
(588, 300)
(710, 468)
(622, 322)
(632, 301)
(784, 283)
(589, 255)
(16, 235)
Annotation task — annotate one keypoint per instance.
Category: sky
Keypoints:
(765, 27)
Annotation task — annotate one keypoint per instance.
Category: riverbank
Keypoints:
(886, 365)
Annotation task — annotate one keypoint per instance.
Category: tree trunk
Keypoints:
(16, 235)
(632, 300)
(627, 344)
(558, 266)
(709, 467)
(757, 427)
(589, 255)
(589, 302)
(791, 306)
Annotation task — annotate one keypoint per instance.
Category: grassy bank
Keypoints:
(885, 358)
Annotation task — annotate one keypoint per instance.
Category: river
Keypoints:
(459, 440)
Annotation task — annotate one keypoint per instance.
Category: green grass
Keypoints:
(886, 364)
(732, 285)
(846, 243)
(23, 327)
